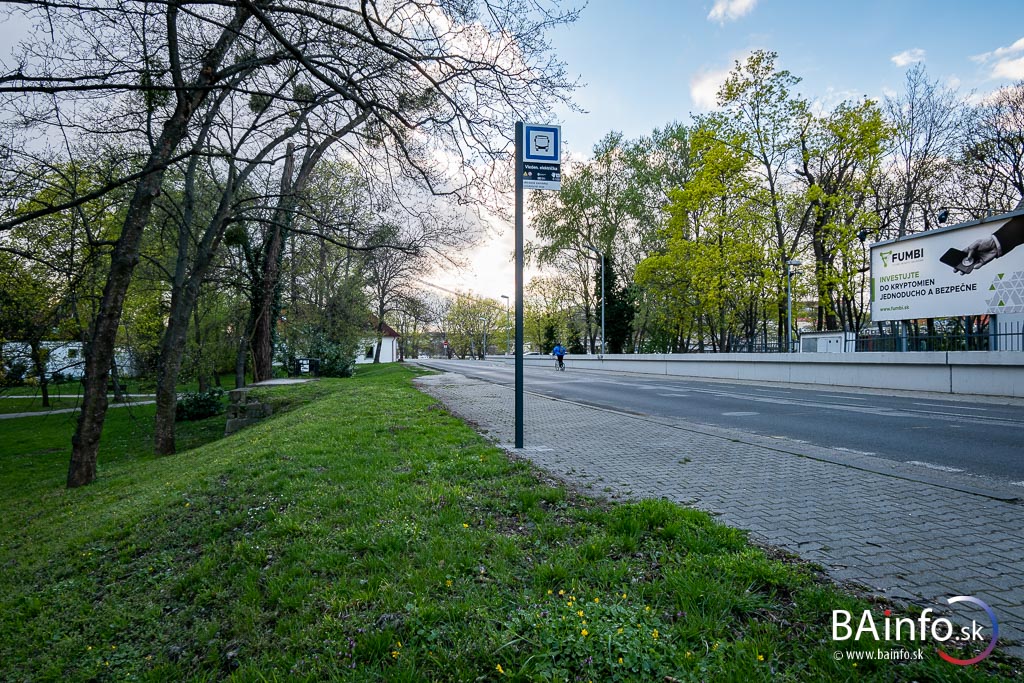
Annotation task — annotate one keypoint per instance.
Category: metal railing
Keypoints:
(1008, 336)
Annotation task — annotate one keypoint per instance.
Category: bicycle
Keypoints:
(559, 364)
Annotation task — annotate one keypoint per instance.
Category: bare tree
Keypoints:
(441, 80)
(926, 119)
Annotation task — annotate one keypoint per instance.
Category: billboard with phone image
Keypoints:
(970, 269)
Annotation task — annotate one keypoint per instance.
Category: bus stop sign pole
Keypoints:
(519, 284)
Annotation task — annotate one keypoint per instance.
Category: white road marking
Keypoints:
(932, 466)
(947, 406)
(852, 450)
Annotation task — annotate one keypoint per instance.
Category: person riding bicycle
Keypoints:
(559, 353)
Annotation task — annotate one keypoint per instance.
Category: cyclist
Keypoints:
(559, 353)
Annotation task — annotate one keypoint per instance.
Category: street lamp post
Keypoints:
(508, 325)
(789, 304)
(483, 351)
(601, 254)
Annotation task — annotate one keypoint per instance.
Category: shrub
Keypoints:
(199, 405)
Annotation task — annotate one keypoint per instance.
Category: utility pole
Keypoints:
(789, 304)
(508, 327)
(601, 254)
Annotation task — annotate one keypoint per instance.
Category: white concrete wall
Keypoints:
(995, 373)
(388, 350)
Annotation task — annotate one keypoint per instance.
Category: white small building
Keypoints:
(389, 352)
(64, 357)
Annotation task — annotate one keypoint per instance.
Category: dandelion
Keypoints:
(188, 505)
(584, 633)
(89, 647)
(620, 630)
(620, 658)
(760, 658)
(688, 654)
(561, 592)
(394, 653)
(579, 613)
(623, 596)
(448, 583)
(500, 670)
(654, 634)
(647, 608)
(715, 646)
(465, 526)
(550, 591)
(597, 600)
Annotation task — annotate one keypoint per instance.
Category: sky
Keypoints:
(646, 63)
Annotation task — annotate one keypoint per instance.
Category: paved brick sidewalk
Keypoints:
(909, 540)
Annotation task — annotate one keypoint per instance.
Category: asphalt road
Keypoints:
(955, 435)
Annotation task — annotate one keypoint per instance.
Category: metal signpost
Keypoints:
(538, 167)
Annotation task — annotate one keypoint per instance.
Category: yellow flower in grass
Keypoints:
(760, 658)
(597, 599)
(654, 634)
(579, 613)
(620, 660)
(561, 592)
(500, 670)
(465, 526)
(584, 633)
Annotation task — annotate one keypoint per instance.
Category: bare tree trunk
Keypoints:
(100, 350)
(39, 361)
(264, 309)
(240, 358)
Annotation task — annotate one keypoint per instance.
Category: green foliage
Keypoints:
(199, 405)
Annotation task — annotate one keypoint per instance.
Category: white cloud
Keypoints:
(730, 10)
(908, 57)
(1000, 52)
(1002, 63)
(1012, 69)
(704, 87)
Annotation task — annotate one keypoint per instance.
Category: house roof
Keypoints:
(387, 330)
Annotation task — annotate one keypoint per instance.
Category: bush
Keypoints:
(199, 405)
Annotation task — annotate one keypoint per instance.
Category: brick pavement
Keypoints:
(910, 540)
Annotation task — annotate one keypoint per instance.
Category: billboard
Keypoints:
(970, 269)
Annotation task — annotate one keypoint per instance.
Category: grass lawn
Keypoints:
(34, 404)
(363, 533)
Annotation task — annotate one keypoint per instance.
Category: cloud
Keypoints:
(1000, 52)
(704, 87)
(1002, 63)
(1012, 69)
(730, 10)
(908, 57)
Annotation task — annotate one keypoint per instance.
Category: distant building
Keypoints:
(65, 357)
(388, 346)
